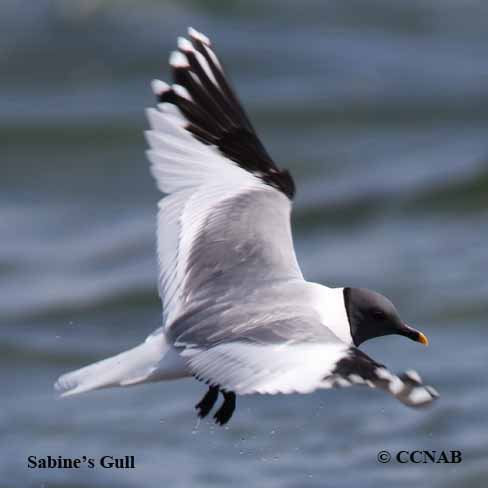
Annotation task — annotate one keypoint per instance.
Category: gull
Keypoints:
(237, 313)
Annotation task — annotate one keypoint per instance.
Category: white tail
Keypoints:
(153, 360)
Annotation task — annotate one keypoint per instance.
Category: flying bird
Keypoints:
(238, 314)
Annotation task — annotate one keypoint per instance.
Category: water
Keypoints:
(379, 109)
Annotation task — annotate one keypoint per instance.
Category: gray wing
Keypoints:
(266, 316)
(249, 350)
(244, 243)
(286, 351)
(225, 224)
(220, 244)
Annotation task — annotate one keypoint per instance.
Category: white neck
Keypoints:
(329, 304)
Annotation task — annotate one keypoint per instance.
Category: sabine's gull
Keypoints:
(237, 311)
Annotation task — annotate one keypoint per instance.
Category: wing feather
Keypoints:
(247, 368)
(301, 367)
(206, 156)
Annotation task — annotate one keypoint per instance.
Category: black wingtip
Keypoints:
(213, 112)
(358, 368)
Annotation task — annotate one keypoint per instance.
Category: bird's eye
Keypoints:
(379, 314)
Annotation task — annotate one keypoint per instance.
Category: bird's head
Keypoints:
(373, 315)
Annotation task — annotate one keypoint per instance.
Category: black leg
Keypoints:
(224, 413)
(207, 402)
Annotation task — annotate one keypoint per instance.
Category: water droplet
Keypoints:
(197, 425)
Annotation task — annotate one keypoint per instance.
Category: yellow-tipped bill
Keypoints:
(423, 339)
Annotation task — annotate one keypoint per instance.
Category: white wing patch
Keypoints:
(247, 368)
(178, 161)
